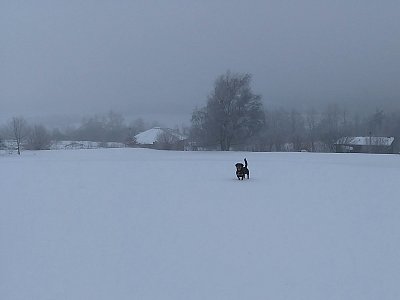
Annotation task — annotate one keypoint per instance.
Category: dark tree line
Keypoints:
(110, 127)
(234, 118)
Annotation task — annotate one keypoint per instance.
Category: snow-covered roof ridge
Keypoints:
(366, 140)
(150, 136)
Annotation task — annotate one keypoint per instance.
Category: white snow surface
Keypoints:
(147, 224)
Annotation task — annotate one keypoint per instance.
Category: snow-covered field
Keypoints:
(147, 224)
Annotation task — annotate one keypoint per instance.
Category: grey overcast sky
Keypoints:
(159, 59)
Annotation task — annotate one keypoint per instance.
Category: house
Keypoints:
(367, 144)
(161, 138)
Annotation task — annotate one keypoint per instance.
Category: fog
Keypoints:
(61, 60)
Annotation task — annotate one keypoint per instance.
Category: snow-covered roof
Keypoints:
(366, 141)
(150, 136)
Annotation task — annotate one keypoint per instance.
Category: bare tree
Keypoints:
(329, 127)
(232, 114)
(311, 126)
(39, 138)
(2, 145)
(137, 126)
(278, 128)
(131, 141)
(201, 132)
(103, 128)
(297, 130)
(19, 131)
(376, 121)
(166, 141)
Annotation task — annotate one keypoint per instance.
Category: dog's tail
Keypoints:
(245, 163)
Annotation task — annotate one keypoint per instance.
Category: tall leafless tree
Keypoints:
(19, 130)
(233, 112)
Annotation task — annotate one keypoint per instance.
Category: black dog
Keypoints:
(242, 170)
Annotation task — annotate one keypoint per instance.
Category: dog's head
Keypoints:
(239, 166)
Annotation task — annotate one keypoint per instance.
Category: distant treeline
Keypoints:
(110, 127)
(312, 130)
(278, 129)
(317, 131)
(234, 118)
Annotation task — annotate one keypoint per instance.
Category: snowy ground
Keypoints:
(146, 224)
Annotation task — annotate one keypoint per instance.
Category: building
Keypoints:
(161, 138)
(367, 144)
